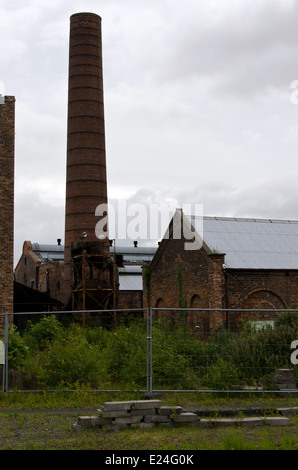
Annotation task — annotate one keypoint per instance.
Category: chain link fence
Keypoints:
(150, 350)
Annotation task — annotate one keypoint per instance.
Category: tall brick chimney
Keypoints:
(86, 181)
(7, 146)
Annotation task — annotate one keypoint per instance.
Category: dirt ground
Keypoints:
(52, 429)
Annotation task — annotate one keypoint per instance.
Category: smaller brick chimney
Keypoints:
(7, 149)
(216, 286)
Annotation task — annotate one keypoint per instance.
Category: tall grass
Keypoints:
(55, 356)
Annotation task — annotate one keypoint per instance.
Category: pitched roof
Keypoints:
(252, 243)
(48, 252)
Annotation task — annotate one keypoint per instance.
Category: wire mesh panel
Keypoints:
(102, 350)
(153, 349)
(208, 349)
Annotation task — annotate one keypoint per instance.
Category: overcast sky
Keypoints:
(198, 105)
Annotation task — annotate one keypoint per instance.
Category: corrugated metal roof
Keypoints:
(252, 243)
(48, 252)
(131, 255)
(130, 278)
(130, 282)
(138, 255)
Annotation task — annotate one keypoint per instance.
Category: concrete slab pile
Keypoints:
(285, 381)
(145, 414)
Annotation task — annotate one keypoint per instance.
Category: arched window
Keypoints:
(195, 301)
(158, 313)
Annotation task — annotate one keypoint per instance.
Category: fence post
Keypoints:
(5, 366)
(150, 316)
(149, 350)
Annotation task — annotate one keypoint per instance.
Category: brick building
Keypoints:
(41, 267)
(241, 264)
(7, 144)
(130, 281)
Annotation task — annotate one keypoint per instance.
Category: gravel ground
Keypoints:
(52, 429)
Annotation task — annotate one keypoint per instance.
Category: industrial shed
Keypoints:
(242, 263)
(41, 268)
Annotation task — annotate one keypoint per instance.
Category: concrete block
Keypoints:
(226, 422)
(117, 405)
(249, 422)
(277, 421)
(284, 379)
(169, 410)
(288, 393)
(283, 372)
(96, 421)
(157, 419)
(90, 421)
(185, 417)
(221, 422)
(116, 414)
(288, 411)
(143, 412)
(145, 404)
(286, 386)
(127, 420)
(284, 376)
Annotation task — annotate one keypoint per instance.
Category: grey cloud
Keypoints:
(37, 220)
(238, 53)
(195, 99)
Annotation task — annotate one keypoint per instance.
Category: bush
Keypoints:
(287, 318)
(38, 335)
(254, 354)
(172, 363)
(125, 355)
(71, 360)
(222, 375)
(94, 356)
(17, 349)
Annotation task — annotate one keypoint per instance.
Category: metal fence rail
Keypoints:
(177, 354)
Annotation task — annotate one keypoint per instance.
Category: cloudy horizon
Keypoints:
(199, 106)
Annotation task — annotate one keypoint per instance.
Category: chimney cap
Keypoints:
(85, 13)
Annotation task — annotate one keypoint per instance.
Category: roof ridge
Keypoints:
(244, 219)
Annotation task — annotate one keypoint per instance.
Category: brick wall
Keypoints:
(206, 283)
(86, 180)
(260, 289)
(45, 277)
(193, 276)
(7, 141)
(130, 299)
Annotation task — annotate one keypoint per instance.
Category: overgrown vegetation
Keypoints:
(53, 356)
